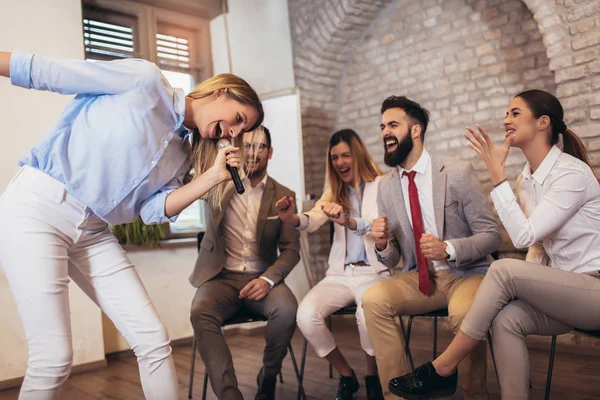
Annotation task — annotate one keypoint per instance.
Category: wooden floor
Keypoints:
(575, 377)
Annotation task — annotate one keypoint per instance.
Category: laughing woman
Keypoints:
(351, 203)
(119, 150)
(559, 220)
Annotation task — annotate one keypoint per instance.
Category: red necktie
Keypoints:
(417, 223)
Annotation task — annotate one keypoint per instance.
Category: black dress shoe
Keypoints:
(266, 387)
(347, 386)
(373, 386)
(424, 383)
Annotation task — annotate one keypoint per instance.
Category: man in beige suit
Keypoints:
(238, 268)
(436, 218)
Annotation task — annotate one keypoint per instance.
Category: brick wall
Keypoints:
(461, 59)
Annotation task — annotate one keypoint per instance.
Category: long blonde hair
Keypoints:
(204, 151)
(364, 167)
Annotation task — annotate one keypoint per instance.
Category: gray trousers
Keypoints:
(516, 299)
(216, 301)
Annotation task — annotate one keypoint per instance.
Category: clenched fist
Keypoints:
(432, 247)
(334, 212)
(381, 232)
(286, 210)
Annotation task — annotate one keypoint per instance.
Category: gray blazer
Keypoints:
(463, 215)
(271, 234)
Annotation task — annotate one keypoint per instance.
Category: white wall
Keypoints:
(259, 41)
(48, 28)
(165, 274)
(253, 40)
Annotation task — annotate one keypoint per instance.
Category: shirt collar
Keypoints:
(543, 170)
(179, 104)
(421, 165)
(351, 187)
(261, 184)
(183, 132)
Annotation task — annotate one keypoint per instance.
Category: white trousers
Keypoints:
(47, 237)
(328, 296)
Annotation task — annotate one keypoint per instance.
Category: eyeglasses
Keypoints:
(256, 147)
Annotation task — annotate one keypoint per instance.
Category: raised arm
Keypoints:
(567, 193)
(182, 197)
(310, 220)
(76, 76)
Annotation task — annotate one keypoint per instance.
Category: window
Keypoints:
(191, 220)
(108, 36)
(176, 41)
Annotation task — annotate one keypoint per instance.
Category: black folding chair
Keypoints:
(595, 334)
(243, 317)
(435, 315)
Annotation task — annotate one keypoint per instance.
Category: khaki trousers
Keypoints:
(400, 295)
(517, 299)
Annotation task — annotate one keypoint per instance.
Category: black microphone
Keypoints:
(235, 176)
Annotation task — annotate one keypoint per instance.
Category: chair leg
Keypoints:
(489, 338)
(407, 341)
(329, 324)
(301, 394)
(435, 326)
(550, 367)
(205, 386)
(302, 364)
(192, 366)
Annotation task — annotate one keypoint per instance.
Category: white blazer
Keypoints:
(337, 255)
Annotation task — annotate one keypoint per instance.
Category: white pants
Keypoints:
(328, 296)
(47, 237)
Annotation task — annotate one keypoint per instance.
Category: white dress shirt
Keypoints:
(424, 183)
(239, 230)
(560, 210)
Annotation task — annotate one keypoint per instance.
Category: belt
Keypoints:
(357, 264)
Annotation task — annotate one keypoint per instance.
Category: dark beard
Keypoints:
(402, 151)
(255, 171)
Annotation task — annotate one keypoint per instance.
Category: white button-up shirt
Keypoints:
(424, 183)
(560, 210)
(239, 230)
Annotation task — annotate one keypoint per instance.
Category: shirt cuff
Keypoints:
(20, 69)
(153, 212)
(385, 253)
(363, 226)
(502, 195)
(304, 221)
(268, 280)
(451, 251)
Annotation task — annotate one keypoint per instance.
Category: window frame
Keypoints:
(150, 20)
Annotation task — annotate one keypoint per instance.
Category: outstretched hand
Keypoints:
(492, 154)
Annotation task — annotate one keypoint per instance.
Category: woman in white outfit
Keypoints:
(119, 150)
(559, 220)
(350, 201)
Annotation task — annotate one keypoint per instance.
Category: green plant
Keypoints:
(138, 233)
